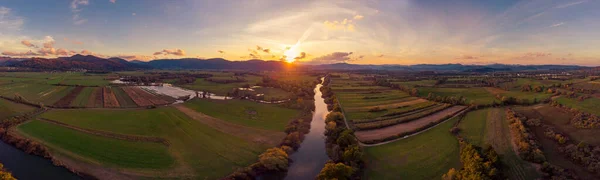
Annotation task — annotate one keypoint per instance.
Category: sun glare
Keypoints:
(290, 55)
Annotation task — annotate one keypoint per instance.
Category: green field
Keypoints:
(123, 98)
(82, 99)
(8, 109)
(208, 152)
(36, 93)
(273, 93)
(472, 127)
(590, 105)
(415, 83)
(67, 78)
(477, 95)
(247, 113)
(107, 151)
(425, 156)
(497, 134)
(221, 88)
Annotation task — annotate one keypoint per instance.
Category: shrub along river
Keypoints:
(311, 156)
(25, 166)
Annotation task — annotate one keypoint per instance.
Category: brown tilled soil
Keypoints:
(95, 99)
(270, 138)
(66, 101)
(382, 133)
(393, 105)
(110, 100)
(143, 98)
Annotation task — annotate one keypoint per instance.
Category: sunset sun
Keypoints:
(291, 54)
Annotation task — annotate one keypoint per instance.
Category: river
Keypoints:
(311, 156)
(26, 166)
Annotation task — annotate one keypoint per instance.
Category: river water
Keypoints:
(311, 156)
(25, 166)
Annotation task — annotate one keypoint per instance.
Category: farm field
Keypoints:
(497, 134)
(221, 89)
(225, 152)
(477, 95)
(559, 119)
(590, 105)
(106, 151)
(246, 113)
(123, 98)
(9, 108)
(405, 128)
(424, 156)
(83, 98)
(473, 126)
(415, 83)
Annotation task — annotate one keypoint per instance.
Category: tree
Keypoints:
(338, 171)
(274, 159)
(353, 155)
(5, 175)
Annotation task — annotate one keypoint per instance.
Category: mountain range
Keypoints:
(89, 62)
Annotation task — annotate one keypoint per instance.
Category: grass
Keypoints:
(472, 126)
(247, 113)
(82, 99)
(219, 88)
(123, 98)
(209, 153)
(477, 95)
(107, 151)
(498, 136)
(273, 93)
(425, 156)
(415, 83)
(590, 105)
(9, 108)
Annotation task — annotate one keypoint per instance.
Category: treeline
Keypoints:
(29, 146)
(477, 164)
(454, 100)
(345, 153)
(157, 77)
(5, 175)
(529, 149)
(235, 79)
(582, 120)
(568, 94)
(384, 82)
(583, 154)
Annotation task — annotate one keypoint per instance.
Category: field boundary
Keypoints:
(108, 134)
(415, 133)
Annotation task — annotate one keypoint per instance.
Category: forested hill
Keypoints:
(89, 62)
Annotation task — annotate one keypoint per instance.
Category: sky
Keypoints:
(308, 31)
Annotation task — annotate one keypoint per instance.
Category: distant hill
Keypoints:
(90, 62)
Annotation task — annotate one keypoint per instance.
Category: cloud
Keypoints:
(302, 56)
(536, 55)
(11, 53)
(137, 57)
(8, 21)
(221, 51)
(28, 43)
(381, 55)
(570, 4)
(76, 9)
(346, 24)
(557, 24)
(265, 50)
(133, 14)
(64, 52)
(176, 52)
(467, 57)
(336, 57)
(112, 1)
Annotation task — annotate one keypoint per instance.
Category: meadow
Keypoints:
(246, 113)
(590, 105)
(424, 156)
(9, 108)
(198, 149)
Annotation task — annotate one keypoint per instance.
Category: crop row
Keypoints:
(415, 109)
(403, 119)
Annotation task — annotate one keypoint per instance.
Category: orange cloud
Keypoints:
(11, 53)
(28, 43)
(176, 52)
